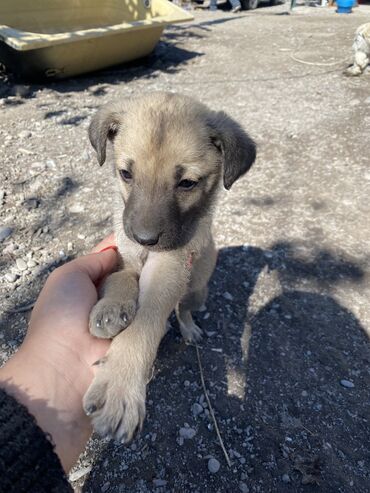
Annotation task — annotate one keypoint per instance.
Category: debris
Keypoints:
(213, 465)
(228, 296)
(285, 478)
(80, 473)
(196, 409)
(187, 433)
(347, 384)
(5, 232)
(10, 277)
(21, 264)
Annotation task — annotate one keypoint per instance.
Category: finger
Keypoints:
(95, 265)
(109, 240)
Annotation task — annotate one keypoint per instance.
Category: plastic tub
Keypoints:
(61, 38)
(344, 6)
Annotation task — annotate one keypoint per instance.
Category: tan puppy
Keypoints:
(171, 155)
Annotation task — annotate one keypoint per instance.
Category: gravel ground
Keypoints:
(286, 357)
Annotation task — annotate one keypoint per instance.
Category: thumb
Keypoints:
(95, 265)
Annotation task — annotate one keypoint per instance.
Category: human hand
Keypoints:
(54, 366)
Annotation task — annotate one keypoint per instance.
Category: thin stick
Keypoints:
(211, 408)
(24, 308)
(319, 64)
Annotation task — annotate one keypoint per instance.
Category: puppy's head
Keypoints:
(170, 154)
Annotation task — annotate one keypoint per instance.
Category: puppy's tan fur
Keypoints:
(162, 142)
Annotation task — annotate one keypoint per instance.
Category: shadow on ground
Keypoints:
(273, 360)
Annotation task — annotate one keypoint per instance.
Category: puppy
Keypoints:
(361, 51)
(171, 155)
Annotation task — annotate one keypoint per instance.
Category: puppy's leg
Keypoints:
(116, 397)
(190, 303)
(117, 307)
(197, 293)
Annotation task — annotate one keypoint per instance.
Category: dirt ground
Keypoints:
(286, 358)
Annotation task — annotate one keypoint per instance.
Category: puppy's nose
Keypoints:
(147, 238)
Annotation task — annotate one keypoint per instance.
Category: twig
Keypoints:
(211, 408)
(318, 64)
(24, 308)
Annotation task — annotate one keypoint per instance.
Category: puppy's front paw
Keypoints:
(190, 331)
(109, 317)
(116, 402)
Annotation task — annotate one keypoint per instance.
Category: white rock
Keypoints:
(51, 164)
(196, 409)
(10, 277)
(213, 465)
(74, 476)
(285, 478)
(31, 263)
(21, 264)
(347, 384)
(25, 134)
(76, 208)
(187, 433)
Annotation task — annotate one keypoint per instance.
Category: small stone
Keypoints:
(159, 482)
(50, 163)
(304, 393)
(206, 316)
(285, 478)
(5, 232)
(347, 384)
(213, 465)
(74, 476)
(186, 383)
(76, 208)
(9, 248)
(196, 409)
(25, 134)
(246, 284)
(21, 264)
(2, 194)
(105, 487)
(31, 263)
(69, 246)
(228, 296)
(211, 333)
(10, 277)
(243, 488)
(187, 433)
(31, 203)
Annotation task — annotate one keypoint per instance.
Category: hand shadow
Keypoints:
(276, 348)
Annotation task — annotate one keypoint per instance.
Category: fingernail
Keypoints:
(111, 247)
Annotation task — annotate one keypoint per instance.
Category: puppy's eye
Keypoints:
(125, 175)
(187, 184)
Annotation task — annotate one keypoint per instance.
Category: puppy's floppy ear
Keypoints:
(103, 126)
(237, 148)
